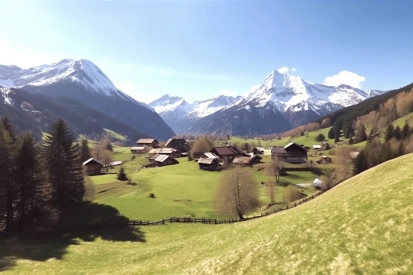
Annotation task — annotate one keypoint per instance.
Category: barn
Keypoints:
(94, 167)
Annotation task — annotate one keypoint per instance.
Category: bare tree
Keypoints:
(237, 193)
(344, 161)
(271, 191)
(102, 154)
(273, 168)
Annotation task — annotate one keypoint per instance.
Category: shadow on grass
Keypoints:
(46, 246)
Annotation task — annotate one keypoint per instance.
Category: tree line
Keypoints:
(38, 180)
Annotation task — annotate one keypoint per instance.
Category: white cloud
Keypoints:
(283, 70)
(345, 77)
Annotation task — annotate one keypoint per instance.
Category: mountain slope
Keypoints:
(85, 81)
(361, 226)
(181, 114)
(280, 103)
(35, 113)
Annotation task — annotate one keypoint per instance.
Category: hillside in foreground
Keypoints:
(361, 226)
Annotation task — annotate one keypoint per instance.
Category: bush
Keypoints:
(133, 157)
(291, 194)
(152, 195)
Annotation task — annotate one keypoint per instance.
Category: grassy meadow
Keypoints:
(362, 226)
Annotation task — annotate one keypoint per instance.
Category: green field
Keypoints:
(362, 226)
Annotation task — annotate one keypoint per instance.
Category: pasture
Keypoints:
(362, 226)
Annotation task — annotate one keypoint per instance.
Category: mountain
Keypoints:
(282, 102)
(35, 113)
(181, 114)
(84, 81)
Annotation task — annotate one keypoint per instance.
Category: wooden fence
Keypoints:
(183, 219)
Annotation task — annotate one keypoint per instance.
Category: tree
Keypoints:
(62, 163)
(273, 168)
(291, 193)
(373, 130)
(247, 147)
(320, 137)
(389, 132)
(330, 133)
(32, 189)
(361, 134)
(237, 193)
(85, 153)
(121, 174)
(228, 136)
(405, 131)
(344, 161)
(100, 153)
(107, 145)
(397, 133)
(360, 163)
(202, 145)
(325, 123)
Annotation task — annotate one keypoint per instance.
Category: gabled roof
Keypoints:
(243, 160)
(146, 140)
(137, 148)
(293, 144)
(162, 151)
(92, 160)
(175, 140)
(162, 158)
(228, 150)
(206, 160)
(211, 155)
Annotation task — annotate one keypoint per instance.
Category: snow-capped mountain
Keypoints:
(83, 80)
(181, 114)
(282, 102)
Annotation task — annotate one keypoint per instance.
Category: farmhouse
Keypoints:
(164, 151)
(228, 153)
(147, 142)
(93, 167)
(291, 153)
(178, 144)
(137, 149)
(250, 160)
(210, 164)
(162, 160)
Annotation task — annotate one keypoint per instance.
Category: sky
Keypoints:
(200, 49)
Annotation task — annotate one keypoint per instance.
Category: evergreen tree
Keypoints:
(63, 166)
(397, 133)
(360, 163)
(389, 132)
(85, 152)
(386, 152)
(400, 150)
(349, 133)
(32, 188)
(331, 133)
(361, 134)
(122, 174)
(405, 131)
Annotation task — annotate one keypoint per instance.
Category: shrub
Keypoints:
(291, 193)
(152, 195)
(121, 174)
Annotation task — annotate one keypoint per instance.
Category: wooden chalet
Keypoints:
(147, 142)
(94, 167)
(162, 160)
(250, 160)
(291, 153)
(164, 151)
(210, 164)
(178, 144)
(137, 149)
(228, 153)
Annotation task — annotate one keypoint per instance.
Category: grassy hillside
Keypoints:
(360, 227)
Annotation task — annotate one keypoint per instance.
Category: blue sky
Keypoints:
(198, 49)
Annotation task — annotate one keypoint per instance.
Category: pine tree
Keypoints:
(360, 163)
(122, 174)
(331, 133)
(386, 152)
(397, 133)
(389, 132)
(361, 134)
(85, 152)
(32, 187)
(405, 131)
(63, 165)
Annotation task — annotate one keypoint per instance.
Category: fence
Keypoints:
(185, 219)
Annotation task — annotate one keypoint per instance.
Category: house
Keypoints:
(291, 153)
(162, 160)
(250, 160)
(137, 149)
(324, 160)
(210, 164)
(228, 153)
(178, 144)
(147, 142)
(94, 167)
(164, 151)
(258, 150)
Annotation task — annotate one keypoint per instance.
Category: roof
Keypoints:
(137, 148)
(93, 160)
(211, 155)
(295, 145)
(146, 140)
(316, 146)
(206, 160)
(114, 163)
(161, 158)
(243, 160)
(174, 140)
(162, 151)
(228, 150)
